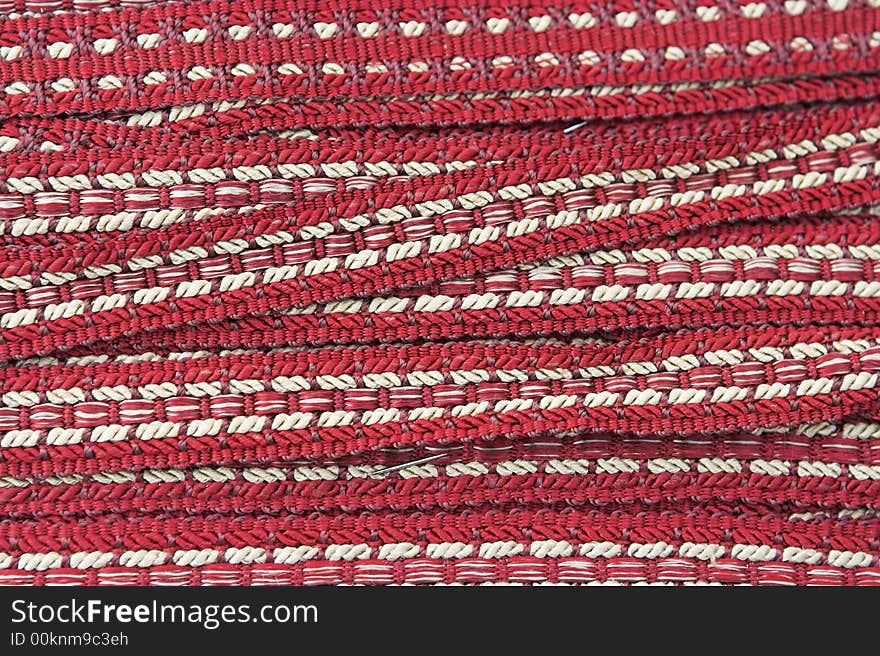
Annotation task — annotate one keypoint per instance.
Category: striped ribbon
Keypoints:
(408, 292)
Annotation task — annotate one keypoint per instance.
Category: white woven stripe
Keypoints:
(166, 389)
(599, 294)
(18, 438)
(566, 467)
(448, 551)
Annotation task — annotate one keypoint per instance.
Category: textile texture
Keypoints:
(435, 292)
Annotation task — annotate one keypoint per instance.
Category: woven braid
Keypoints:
(354, 292)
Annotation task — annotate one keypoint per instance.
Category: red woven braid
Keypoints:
(350, 292)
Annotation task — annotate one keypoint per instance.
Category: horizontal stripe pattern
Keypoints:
(351, 292)
(579, 220)
(515, 571)
(259, 60)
